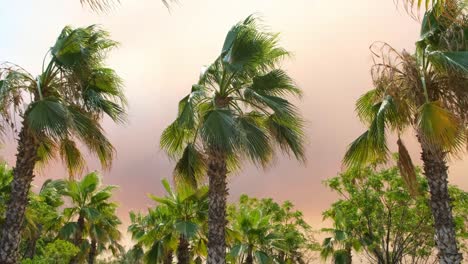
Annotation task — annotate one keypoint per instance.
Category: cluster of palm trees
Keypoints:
(238, 111)
(259, 231)
(79, 212)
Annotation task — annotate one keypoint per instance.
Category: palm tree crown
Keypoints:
(238, 106)
(66, 101)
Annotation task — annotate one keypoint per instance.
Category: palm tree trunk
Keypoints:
(349, 254)
(436, 172)
(183, 253)
(168, 258)
(92, 252)
(78, 239)
(249, 259)
(23, 174)
(217, 195)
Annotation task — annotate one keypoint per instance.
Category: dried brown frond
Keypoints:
(407, 168)
(444, 9)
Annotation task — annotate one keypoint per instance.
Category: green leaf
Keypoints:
(90, 182)
(219, 129)
(450, 60)
(191, 167)
(288, 134)
(440, 127)
(186, 228)
(276, 83)
(48, 116)
(72, 157)
(254, 139)
(429, 25)
(262, 257)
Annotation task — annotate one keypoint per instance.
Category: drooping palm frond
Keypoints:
(407, 168)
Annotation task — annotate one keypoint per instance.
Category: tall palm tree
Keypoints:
(238, 110)
(90, 212)
(63, 105)
(426, 91)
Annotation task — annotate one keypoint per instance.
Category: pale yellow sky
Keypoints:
(161, 54)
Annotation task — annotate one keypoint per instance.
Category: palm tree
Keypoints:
(340, 244)
(256, 237)
(104, 234)
(93, 215)
(160, 240)
(189, 209)
(179, 216)
(427, 91)
(64, 104)
(43, 214)
(236, 111)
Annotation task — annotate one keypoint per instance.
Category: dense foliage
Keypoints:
(376, 217)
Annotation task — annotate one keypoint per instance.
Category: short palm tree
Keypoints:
(426, 91)
(159, 241)
(238, 110)
(43, 208)
(188, 209)
(90, 214)
(174, 226)
(340, 244)
(256, 237)
(104, 234)
(61, 106)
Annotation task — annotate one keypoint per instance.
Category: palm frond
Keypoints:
(407, 169)
(72, 157)
(100, 5)
(191, 167)
(219, 129)
(441, 128)
(254, 138)
(288, 134)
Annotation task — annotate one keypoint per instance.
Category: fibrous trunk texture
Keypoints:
(249, 259)
(436, 172)
(92, 252)
(169, 257)
(23, 174)
(183, 251)
(78, 239)
(217, 172)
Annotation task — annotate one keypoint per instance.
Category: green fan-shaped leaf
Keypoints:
(440, 127)
(219, 129)
(186, 228)
(191, 167)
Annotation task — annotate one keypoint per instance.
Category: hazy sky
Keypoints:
(160, 57)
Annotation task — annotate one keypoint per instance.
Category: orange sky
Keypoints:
(161, 54)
